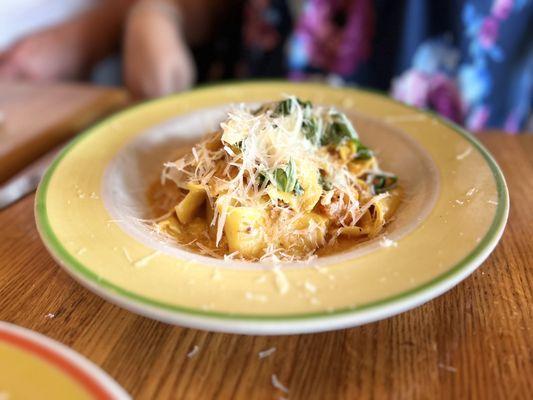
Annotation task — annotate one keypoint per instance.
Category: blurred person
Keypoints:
(469, 60)
(157, 55)
(50, 40)
(168, 44)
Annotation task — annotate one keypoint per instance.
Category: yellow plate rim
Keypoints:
(148, 306)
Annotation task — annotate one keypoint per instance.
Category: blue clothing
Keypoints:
(471, 61)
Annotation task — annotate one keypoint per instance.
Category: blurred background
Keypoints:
(471, 61)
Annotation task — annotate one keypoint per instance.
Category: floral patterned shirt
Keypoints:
(470, 60)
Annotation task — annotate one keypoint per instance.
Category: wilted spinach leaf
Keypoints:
(381, 183)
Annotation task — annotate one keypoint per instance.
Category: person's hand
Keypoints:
(157, 60)
(47, 55)
(68, 50)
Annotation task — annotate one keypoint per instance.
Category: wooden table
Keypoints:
(476, 341)
(34, 118)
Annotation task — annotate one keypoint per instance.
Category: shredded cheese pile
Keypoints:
(300, 173)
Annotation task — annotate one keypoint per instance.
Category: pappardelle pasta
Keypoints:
(286, 181)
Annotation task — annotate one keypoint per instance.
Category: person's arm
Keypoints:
(67, 50)
(159, 33)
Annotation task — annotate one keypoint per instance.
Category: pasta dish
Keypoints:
(286, 181)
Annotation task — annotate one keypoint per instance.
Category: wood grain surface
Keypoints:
(474, 342)
(36, 118)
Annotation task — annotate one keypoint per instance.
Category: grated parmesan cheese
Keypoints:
(278, 385)
(282, 283)
(216, 275)
(243, 164)
(193, 352)
(309, 287)
(266, 353)
(144, 261)
(255, 297)
(127, 255)
(471, 192)
(314, 301)
(464, 154)
(386, 242)
(448, 368)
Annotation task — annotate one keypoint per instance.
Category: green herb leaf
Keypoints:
(298, 189)
(241, 145)
(284, 179)
(284, 107)
(263, 179)
(312, 130)
(326, 185)
(338, 130)
(279, 177)
(381, 183)
(363, 152)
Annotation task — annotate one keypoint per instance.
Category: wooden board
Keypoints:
(36, 118)
(474, 342)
